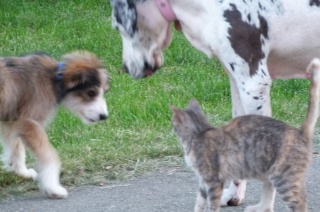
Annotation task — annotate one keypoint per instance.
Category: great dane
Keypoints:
(256, 41)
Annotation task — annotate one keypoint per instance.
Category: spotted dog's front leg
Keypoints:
(250, 95)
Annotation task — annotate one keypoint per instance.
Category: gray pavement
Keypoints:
(169, 190)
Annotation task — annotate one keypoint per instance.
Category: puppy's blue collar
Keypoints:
(58, 81)
(60, 70)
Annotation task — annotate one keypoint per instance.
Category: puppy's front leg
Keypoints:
(34, 136)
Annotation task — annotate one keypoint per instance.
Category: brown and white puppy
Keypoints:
(31, 88)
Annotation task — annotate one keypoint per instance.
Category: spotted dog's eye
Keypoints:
(92, 93)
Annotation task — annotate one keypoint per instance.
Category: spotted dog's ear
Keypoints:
(125, 15)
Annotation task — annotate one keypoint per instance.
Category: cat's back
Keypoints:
(262, 143)
(257, 123)
(255, 133)
(263, 129)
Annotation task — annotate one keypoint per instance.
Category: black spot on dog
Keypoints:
(245, 39)
(261, 7)
(232, 66)
(314, 3)
(126, 15)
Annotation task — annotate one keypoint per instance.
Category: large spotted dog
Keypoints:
(255, 40)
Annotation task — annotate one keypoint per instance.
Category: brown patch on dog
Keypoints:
(246, 39)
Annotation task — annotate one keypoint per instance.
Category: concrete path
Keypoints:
(170, 190)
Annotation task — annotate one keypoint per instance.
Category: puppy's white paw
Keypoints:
(57, 192)
(28, 173)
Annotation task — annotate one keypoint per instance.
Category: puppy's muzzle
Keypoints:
(103, 117)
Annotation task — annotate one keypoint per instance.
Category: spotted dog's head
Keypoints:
(144, 32)
(84, 83)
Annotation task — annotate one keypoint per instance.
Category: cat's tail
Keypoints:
(313, 111)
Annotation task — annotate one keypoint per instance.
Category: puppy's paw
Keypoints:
(26, 173)
(29, 173)
(57, 192)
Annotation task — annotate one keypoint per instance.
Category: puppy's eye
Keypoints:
(92, 93)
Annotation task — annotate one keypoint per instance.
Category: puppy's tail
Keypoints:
(314, 93)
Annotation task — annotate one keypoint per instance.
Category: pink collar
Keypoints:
(166, 10)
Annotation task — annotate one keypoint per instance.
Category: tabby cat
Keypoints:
(250, 146)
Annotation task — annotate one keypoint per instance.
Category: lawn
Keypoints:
(137, 137)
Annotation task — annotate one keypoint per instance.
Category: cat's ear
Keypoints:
(176, 112)
(173, 109)
(194, 104)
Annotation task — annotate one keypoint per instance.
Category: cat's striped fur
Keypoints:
(250, 146)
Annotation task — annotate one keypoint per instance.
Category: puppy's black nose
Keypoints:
(103, 116)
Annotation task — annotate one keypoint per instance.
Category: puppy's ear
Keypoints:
(74, 79)
(80, 79)
(125, 14)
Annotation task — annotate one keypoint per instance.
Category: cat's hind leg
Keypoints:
(201, 202)
(267, 199)
(293, 194)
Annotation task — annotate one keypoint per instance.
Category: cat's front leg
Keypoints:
(214, 192)
(234, 194)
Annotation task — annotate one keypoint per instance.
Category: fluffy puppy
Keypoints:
(31, 88)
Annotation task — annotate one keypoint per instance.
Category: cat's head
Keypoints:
(190, 120)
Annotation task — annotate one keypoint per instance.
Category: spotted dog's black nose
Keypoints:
(125, 68)
(149, 70)
(103, 117)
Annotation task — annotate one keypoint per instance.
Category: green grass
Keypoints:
(137, 137)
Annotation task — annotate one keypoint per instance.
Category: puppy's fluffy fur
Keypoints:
(31, 88)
